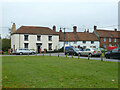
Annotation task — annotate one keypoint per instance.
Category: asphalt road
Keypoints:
(62, 55)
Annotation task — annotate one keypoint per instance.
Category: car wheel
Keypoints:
(90, 54)
(74, 54)
(33, 53)
(68, 54)
(21, 53)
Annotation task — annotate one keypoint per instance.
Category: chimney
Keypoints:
(95, 27)
(88, 30)
(60, 30)
(74, 28)
(13, 28)
(85, 30)
(54, 28)
(115, 29)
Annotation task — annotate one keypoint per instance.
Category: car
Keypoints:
(1, 51)
(67, 48)
(73, 51)
(114, 53)
(91, 52)
(22, 51)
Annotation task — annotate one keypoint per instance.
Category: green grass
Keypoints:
(54, 72)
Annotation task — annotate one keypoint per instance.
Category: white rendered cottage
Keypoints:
(33, 37)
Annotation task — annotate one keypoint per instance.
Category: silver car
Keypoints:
(24, 51)
(91, 52)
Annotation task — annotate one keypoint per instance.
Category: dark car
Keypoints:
(73, 51)
(115, 53)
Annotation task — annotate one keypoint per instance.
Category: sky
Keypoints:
(62, 13)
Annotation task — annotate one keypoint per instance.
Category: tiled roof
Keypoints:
(35, 30)
(108, 33)
(77, 36)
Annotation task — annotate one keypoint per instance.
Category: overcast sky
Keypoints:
(62, 13)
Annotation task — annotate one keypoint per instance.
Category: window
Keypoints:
(109, 39)
(38, 38)
(75, 42)
(92, 42)
(110, 45)
(94, 46)
(84, 46)
(50, 46)
(84, 41)
(66, 42)
(114, 39)
(25, 45)
(87, 50)
(104, 39)
(104, 46)
(50, 38)
(26, 37)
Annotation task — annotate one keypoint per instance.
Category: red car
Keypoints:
(1, 51)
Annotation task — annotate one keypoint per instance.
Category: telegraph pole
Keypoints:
(64, 39)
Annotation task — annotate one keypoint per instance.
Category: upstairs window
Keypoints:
(25, 37)
(75, 42)
(38, 38)
(84, 42)
(92, 42)
(104, 39)
(115, 40)
(109, 39)
(50, 38)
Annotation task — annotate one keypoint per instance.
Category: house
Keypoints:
(81, 39)
(107, 37)
(33, 37)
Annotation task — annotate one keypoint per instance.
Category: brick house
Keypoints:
(107, 37)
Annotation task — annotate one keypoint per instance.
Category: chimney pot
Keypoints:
(115, 29)
(95, 27)
(13, 28)
(60, 30)
(74, 28)
(54, 28)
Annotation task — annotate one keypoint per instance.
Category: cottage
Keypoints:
(81, 39)
(33, 37)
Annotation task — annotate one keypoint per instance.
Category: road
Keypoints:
(62, 55)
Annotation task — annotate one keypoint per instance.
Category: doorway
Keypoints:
(39, 46)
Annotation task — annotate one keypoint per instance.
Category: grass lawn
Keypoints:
(57, 72)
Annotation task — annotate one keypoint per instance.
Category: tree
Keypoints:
(6, 44)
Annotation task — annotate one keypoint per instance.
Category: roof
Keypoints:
(78, 36)
(35, 30)
(108, 33)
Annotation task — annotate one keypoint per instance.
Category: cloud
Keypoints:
(58, 1)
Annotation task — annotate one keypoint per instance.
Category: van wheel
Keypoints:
(21, 53)
(68, 54)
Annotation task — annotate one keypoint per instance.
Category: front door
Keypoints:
(38, 47)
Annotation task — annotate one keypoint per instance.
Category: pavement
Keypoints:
(62, 55)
